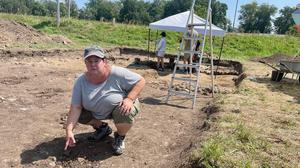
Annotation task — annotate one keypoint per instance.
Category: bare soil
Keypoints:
(35, 91)
(275, 59)
(14, 34)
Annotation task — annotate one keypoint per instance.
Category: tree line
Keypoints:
(37, 7)
(253, 18)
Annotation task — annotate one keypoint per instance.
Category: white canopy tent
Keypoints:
(178, 23)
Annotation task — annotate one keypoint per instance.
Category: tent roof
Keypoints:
(178, 23)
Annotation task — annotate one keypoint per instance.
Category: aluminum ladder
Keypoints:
(192, 83)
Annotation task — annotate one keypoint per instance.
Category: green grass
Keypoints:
(254, 128)
(237, 148)
(209, 155)
(84, 32)
(242, 133)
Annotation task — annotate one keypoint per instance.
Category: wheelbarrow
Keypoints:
(277, 73)
(283, 67)
(291, 67)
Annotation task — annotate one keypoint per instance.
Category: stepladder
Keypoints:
(186, 75)
(188, 48)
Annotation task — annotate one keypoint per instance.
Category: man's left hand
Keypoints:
(126, 106)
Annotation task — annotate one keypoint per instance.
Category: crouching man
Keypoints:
(104, 92)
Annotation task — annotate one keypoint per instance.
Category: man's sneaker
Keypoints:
(103, 131)
(119, 144)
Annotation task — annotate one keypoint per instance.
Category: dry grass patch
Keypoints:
(258, 125)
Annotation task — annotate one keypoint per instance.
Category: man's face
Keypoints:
(95, 64)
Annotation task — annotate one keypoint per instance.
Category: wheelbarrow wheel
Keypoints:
(277, 76)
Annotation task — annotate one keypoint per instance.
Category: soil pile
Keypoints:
(274, 59)
(12, 32)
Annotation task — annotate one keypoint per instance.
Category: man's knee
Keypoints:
(119, 118)
(85, 117)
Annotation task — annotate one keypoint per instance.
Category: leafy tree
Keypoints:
(38, 9)
(13, 6)
(156, 9)
(264, 20)
(218, 10)
(63, 10)
(219, 14)
(95, 9)
(284, 21)
(91, 8)
(176, 6)
(134, 11)
(74, 12)
(248, 17)
(115, 10)
(86, 13)
(255, 18)
(105, 10)
(74, 9)
(51, 7)
(201, 8)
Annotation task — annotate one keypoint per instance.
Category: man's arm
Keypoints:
(127, 102)
(136, 89)
(73, 116)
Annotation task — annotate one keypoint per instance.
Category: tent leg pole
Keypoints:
(221, 47)
(220, 55)
(148, 44)
(211, 52)
(155, 40)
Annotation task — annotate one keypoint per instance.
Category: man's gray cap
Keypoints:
(93, 51)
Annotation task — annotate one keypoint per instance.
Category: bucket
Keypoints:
(276, 76)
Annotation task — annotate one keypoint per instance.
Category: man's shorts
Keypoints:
(160, 54)
(86, 116)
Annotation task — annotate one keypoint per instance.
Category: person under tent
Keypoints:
(160, 52)
(189, 44)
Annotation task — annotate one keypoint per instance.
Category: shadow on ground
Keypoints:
(155, 101)
(42, 25)
(89, 151)
(152, 65)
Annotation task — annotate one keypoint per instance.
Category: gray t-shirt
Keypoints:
(102, 98)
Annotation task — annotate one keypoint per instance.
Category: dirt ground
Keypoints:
(15, 34)
(35, 90)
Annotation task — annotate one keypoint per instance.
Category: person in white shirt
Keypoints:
(160, 51)
(189, 45)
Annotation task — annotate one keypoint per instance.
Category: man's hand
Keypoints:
(126, 106)
(70, 140)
